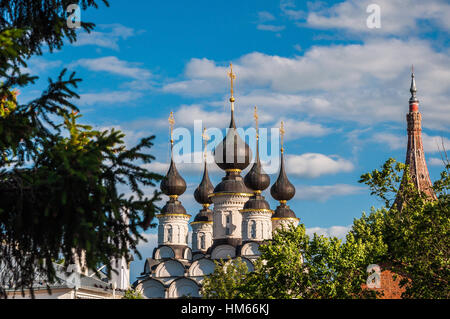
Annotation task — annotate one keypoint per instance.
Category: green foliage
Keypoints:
(414, 242)
(61, 182)
(132, 294)
(226, 281)
(293, 265)
(44, 21)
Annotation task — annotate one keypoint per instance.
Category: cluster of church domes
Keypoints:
(241, 213)
(240, 219)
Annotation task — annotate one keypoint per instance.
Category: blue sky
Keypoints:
(341, 88)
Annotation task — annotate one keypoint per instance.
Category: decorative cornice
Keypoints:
(256, 210)
(285, 218)
(201, 222)
(169, 214)
(231, 194)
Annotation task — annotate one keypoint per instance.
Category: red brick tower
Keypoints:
(415, 157)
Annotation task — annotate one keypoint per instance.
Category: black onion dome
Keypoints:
(232, 152)
(256, 202)
(283, 211)
(204, 189)
(282, 189)
(232, 183)
(204, 215)
(173, 183)
(173, 206)
(256, 178)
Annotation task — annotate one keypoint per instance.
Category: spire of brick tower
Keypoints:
(415, 157)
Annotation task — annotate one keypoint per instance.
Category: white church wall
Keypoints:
(152, 289)
(250, 249)
(183, 287)
(223, 252)
(169, 268)
(164, 252)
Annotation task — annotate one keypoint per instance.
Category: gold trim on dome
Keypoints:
(232, 194)
(280, 218)
(173, 196)
(233, 170)
(257, 192)
(283, 201)
(256, 210)
(200, 222)
(170, 214)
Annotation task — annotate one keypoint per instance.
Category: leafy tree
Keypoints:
(414, 242)
(59, 180)
(226, 281)
(293, 265)
(132, 294)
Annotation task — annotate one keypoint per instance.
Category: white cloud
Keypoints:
(270, 27)
(365, 83)
(333, 231)
(112, 64)
(111, 97)
(312, 165)
(435, 161)
(398, 17)
(431, 144)
(108, 39)
(322, 193)
(264, 16)
(288, 9)
(296, 129)
(37, 65)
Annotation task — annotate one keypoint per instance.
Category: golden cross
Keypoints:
(171, 123)
(232, 76)
(255, 116)
(282, 131)
(205, 140)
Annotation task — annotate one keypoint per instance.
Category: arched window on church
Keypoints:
(169, 233)
(202, 241)
(252, 229)
(228, 224)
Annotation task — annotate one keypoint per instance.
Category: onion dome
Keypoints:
(201, 193)
(173, 184)
(232, 153)
(283, 211)
(232, 183)
(256, 178)
(282, 189)
(173, 206)
(204, 215)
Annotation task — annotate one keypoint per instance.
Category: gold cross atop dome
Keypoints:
(205, 141)
(171, 120)
(232, 76)
(282, 131)
(255, 116)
